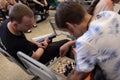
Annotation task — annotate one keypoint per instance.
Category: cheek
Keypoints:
(70, 32)
(78, 33)
(28, 27)
(24, 29)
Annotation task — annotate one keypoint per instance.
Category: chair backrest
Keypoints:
(12, 59)
(36, 67)
(9, 57)
(53, 24)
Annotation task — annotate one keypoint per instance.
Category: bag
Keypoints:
(98, 74)
(119, 12)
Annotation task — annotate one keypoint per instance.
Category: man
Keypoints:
(98, 39)
(102, 5)
(42, 5)
(21, 19)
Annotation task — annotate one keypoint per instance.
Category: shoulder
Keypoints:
(105, 18)
(106, 15)
(106, 2)
(109, 3)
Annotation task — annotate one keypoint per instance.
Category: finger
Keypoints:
(61, 53)
(44, 43)
(43, 47)
(47, 39)
(39, 45)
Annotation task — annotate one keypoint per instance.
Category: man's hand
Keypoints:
(45, 2)
(44, 44)
(42, 5)
(65, 48)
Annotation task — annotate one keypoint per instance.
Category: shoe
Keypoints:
(34, 25)
(52, 7)
(29, 31)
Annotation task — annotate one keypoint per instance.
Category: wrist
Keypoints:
(42, 48)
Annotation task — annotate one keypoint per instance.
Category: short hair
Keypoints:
(116, 1)
(69, 11)
(18, 11)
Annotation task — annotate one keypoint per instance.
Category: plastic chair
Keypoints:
(12, 59)
(36, 67)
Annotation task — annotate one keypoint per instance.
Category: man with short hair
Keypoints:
(98, 39)
(21, 19)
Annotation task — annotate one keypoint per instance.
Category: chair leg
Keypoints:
(35, 78)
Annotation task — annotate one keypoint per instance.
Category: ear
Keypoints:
(14, 23)
(70, 25)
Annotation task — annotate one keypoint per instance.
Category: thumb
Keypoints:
(46, 39)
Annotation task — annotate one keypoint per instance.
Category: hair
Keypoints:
(18, 11)
(116, 1)
(92, 7)
(69, 11)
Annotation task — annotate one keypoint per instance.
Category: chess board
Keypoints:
(63, 67)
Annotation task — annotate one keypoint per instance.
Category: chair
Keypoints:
(36, 67)
(55, 29)
(12, 59)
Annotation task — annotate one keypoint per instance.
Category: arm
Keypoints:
(41, 44)
(34, 42)
(3, 4)
(64, 49)
(38, 53)
(85, 62)
(37, 2)
(110, 5)
(11, 2)
(41, 47)
(45, 2)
